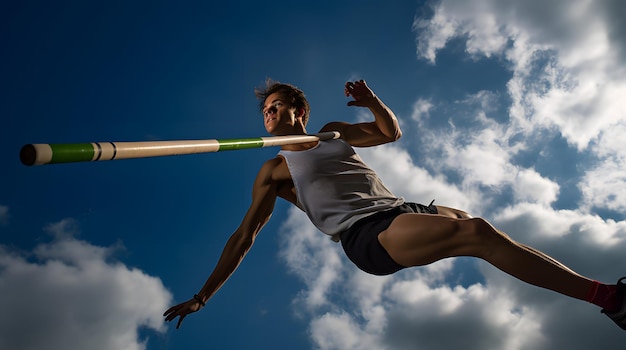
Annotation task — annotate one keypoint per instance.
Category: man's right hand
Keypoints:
(182, 310)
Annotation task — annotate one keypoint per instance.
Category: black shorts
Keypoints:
(360, 241)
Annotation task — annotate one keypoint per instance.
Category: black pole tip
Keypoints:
(28, 154)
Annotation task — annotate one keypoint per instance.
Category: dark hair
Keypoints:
(293, 95)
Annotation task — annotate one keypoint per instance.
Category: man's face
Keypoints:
(278, 115)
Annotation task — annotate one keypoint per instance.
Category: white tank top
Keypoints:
(335, 188)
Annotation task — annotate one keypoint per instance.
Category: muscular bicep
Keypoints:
(360, 134)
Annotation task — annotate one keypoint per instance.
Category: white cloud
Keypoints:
(603, 184)
(488, 313)
(340, 331)
(538, 224)
(397, 170)
(530, 186)
(309, 256)
(480, 156)
(567, 69)
(421, 108)
(568, 76)
(66, 228)
(483, 160)
(71, 294)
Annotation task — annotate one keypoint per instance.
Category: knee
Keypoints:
(462, 215)
(485, 238)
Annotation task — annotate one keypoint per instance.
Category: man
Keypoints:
(379, 232)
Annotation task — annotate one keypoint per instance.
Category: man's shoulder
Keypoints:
(275, 169)
(273, 163)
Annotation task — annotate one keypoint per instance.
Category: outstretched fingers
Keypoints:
(172, 313)
(359, 91)
(181, 310)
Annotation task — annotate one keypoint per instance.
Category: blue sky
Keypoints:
(510, 110)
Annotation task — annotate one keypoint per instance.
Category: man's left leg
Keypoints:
(418, 239)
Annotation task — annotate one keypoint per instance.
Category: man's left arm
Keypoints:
(385, 127)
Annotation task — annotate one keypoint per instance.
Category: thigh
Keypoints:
(418, 239)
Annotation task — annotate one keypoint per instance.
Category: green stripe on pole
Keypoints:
(65, 153)
(235, 144)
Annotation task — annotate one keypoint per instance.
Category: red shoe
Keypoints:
(619, 316)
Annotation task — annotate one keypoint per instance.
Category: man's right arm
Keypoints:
(263, 200)
(264, 193)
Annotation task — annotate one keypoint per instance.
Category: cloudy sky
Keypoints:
(511, 110)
